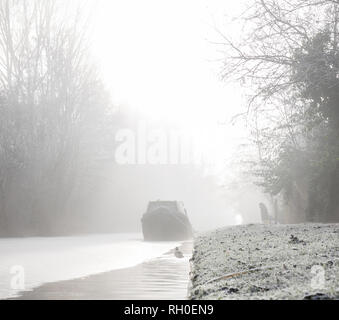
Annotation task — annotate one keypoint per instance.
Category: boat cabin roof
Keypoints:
(173, 206)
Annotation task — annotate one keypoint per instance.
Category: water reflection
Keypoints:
(164, 278)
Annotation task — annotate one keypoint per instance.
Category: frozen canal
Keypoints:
(33, 262)
(164, 277)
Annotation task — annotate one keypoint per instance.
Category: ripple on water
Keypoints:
(163, 278)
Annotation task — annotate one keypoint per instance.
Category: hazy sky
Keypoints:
(157, 57)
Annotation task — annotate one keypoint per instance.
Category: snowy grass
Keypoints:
(266, 262)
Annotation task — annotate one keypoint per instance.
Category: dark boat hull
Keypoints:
(162, 225)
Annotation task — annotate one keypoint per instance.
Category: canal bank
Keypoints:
(266, 262)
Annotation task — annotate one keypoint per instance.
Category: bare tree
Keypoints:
(50, 94)
(286, 57)
(272, 32)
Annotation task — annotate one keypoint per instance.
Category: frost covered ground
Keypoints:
(46, 260)
(267, 262)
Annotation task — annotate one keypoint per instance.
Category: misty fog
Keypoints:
(169, 149)
(111, 70)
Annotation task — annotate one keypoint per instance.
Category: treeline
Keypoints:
(53, 113)
(287, 57)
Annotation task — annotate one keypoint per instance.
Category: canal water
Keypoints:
(163, 278)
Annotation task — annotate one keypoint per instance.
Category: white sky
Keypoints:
(156, 56)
